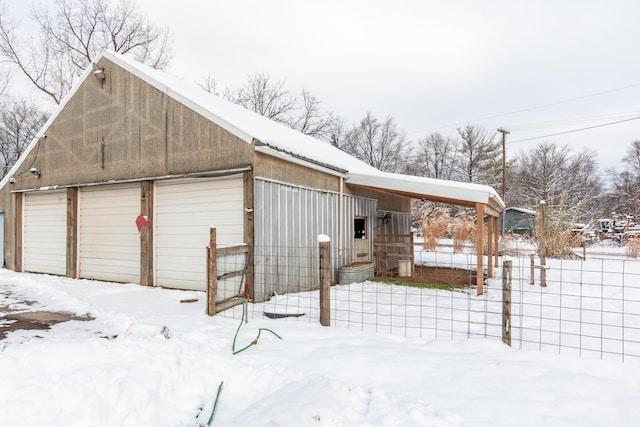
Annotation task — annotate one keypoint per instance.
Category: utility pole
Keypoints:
(504, 133)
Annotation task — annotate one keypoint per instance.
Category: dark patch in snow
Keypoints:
(35, 320)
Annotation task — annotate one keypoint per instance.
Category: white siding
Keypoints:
(184, 212)
(45, 232)
(109, 239)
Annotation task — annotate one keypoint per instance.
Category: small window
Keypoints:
(360, 227)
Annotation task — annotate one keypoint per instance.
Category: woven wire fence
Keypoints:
(588, 308)
(387, 303)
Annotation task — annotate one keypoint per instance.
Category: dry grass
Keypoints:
(435, 225)
(463, 229)
(554, 238)
(507, 244)
(632, 248)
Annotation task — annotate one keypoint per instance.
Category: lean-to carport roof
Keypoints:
(437, 190)
(276, 139)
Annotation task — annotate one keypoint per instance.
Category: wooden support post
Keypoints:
(72, 232)
(413, 260)
(479, 248)
(490, 246)
(496, 237)
(18, 202)
(543, 243)
(212, 279)
(506, 302)
(249, 237)
(325, 282)
(146, 234)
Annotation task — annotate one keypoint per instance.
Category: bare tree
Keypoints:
(624, 196)
(435, 157)
(72, 34)
(311, 119)
(19, 122)
(632, 158)
(379, 144)
(558, 175)
(337, 132)
(478, 157)
(273, 100)
(210, 84)
(5, 78)
(268, 98)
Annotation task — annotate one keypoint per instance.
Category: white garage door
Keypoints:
(44, 242)
(108, 236)
(185, 211)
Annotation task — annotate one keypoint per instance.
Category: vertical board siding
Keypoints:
(185, 210)
(399, 223)
(45, 232)
(108, 236)
(288, 220)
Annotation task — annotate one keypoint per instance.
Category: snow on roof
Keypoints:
(523, 210)
(247, 125)
(416, 185)
(275, 138)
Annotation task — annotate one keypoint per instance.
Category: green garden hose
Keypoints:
(254, 342)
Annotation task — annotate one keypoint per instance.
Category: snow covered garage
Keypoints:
(127, 176)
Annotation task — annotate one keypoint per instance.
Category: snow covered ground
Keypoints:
(93, 374)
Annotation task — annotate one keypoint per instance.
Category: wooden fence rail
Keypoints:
(386, 246)
(213, 278)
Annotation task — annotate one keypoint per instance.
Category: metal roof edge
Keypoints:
(265, 148)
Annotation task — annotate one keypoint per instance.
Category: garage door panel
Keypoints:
(108, 237)
(184, 212)
(101, 240)
(111, 252)
(107, 265)
(45, 232)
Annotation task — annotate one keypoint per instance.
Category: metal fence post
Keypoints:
(325, 280)
(506, 302)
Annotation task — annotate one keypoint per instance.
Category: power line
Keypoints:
(576, 121)
(523, 110)
(574, 130)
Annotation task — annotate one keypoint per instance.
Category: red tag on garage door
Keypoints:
(141, 221)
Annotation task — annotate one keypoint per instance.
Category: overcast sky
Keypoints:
(432, 65)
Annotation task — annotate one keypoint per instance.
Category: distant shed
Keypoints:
(518, 220)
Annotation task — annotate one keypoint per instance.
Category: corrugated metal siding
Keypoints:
(400, 223)
(288, 220)
(358, 207)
